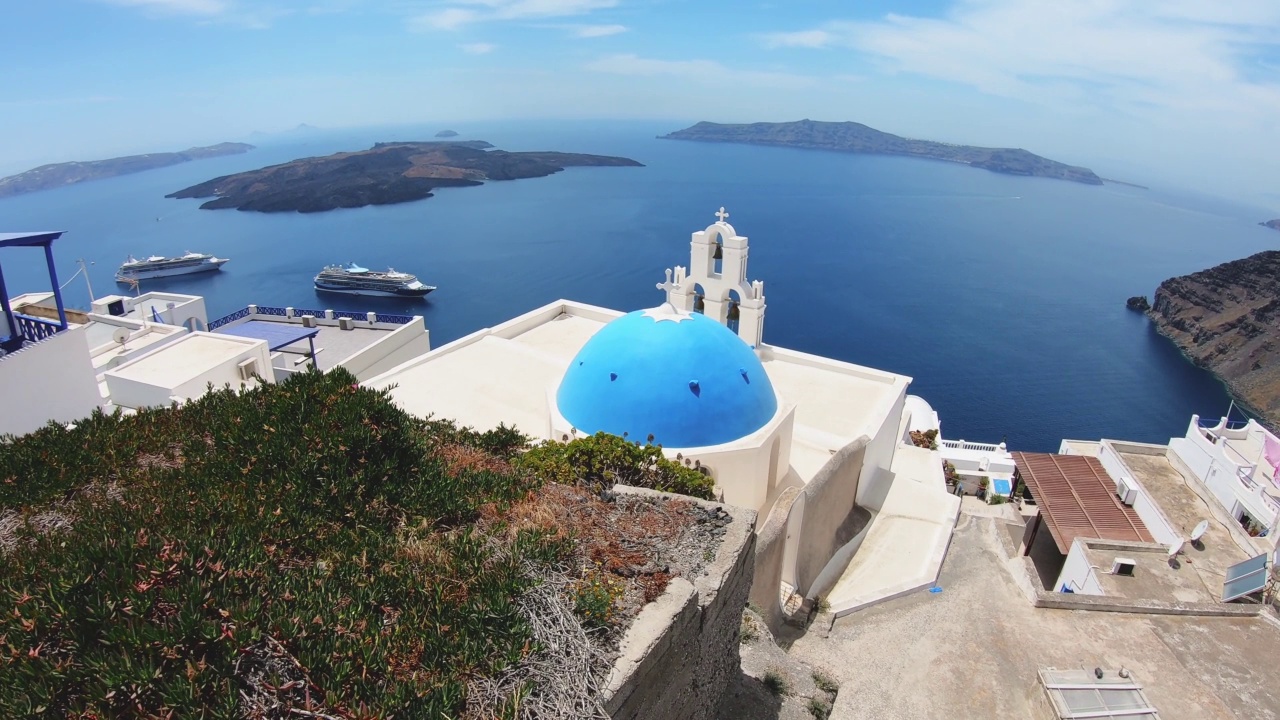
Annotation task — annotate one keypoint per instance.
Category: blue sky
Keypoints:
(1185, 91)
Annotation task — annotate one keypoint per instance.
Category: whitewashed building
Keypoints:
(157, 348)
(847, 509)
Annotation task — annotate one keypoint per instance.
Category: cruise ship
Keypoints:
(356, 280)
(158, 266)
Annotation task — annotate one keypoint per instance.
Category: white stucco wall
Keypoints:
(1077, 574)
(1214, 466)
(184, 369)
(51, 380)
(875, 481)
(399, 346)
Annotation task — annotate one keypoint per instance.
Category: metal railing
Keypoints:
(241, 313)
(962, 445)
(299, 312)
(34, 328)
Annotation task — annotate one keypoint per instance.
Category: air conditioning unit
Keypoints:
(1126, 491)
(1123, 566)
(248, 368)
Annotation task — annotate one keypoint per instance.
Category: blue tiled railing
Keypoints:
(33, 328)
(299, 312)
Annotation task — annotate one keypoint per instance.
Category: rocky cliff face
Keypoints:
(1227, 319)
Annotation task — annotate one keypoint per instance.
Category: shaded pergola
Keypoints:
(23, 328)
(1076, 498)
(277, 335)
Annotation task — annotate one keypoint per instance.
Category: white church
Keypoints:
(849, 510)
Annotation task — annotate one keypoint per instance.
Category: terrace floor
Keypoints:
(974, 649)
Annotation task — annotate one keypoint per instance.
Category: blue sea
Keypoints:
(1002, 297)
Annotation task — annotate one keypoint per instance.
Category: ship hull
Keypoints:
(400, 293)
(127, 275)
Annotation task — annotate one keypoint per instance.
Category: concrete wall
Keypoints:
(1077, 574)
(1144, 504)
(772, 553)
(51, 380)
(400, 345)
(682, 650)
(875, 476)
(797, 552)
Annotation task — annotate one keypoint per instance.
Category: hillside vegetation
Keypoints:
(307, 549)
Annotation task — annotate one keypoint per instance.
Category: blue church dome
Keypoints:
(682, 377)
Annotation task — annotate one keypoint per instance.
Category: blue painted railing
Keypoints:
(299, 312)
(33, 328)
(241, 313)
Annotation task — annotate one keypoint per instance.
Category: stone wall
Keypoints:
(681, 652)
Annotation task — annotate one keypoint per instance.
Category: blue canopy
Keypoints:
(276, 334)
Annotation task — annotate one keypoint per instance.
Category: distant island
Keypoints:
(858, 138)
(47, 177)
(446, 134)
(1273, 224)
(387, 173)
(1224, 320)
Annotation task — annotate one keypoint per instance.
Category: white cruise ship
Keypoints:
(356, 280)
(158, 266)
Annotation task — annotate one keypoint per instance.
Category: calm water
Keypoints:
(1002, 297)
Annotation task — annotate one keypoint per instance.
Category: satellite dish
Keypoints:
(121, 335)
(1175, 549)
(1199, 531)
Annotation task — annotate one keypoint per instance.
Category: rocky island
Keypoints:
(1225, 320)
(387, 173)
(447, 134)
(858, 138)
(47, 177)
(1273, 224)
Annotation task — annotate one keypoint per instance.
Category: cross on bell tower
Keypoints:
(723, 287)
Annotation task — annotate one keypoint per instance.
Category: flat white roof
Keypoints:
(504, 374)
(183, 359)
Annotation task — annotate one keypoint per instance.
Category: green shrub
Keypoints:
(595, 598)
(603, 460)
(312, 512)
(748, 633)
(825, 683)
(775, 683)
(818, 709)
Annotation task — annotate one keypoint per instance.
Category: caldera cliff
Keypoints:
(1225, 319)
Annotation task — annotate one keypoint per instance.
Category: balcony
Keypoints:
(18, 330)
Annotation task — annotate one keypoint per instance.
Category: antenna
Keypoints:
(1174, 550)
(121, 336)
(88, 284)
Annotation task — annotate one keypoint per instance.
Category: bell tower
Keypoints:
(718, 263)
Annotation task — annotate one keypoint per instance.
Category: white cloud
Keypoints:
(465, 12)
(699, 71)
(803, 38)
(478, 48)
(594, 31)
(255, 15)
(1131, 56)
(183, 7)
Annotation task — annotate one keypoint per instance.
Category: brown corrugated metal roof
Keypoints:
(1078, 499)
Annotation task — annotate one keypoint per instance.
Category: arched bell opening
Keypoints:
(699, 299)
